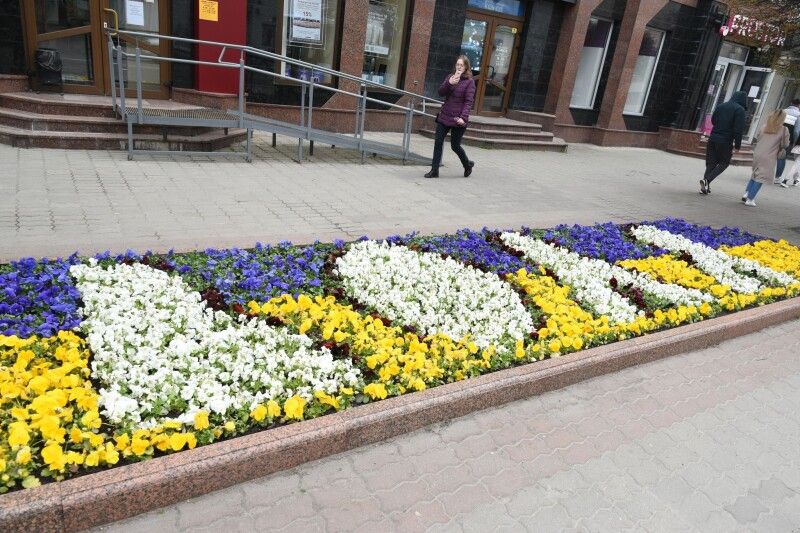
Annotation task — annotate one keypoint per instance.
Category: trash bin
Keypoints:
(48, 66)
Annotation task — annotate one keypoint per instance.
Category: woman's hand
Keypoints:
(460, 121)
(455, 78)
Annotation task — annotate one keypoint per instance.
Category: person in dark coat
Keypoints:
(458, 90)
(729, 120)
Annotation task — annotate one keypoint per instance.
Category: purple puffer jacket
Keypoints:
(458, 100)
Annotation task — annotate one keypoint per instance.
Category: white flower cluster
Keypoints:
(590, 278)
(432, 293)
(160, 354)
(713, 262)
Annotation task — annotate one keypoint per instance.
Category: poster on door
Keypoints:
(306, 21)
(380, 28)
(134, 13)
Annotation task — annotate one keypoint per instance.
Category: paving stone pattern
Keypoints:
(56, 201)
(706, 441)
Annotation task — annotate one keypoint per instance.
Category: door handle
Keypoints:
(116, 20)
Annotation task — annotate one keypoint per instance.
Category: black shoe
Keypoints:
(432, 174)
(468, 169)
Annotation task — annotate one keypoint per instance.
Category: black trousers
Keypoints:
(718, 157)
(455, 143)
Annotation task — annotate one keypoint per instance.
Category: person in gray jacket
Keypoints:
(729, 121)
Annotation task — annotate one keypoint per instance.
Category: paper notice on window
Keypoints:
(134, 13)
(208, 10)
(753, 91)
(306, 23)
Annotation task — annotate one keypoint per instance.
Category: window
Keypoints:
(383, 47)
(643, 73)
(591, 64)
(310, 35)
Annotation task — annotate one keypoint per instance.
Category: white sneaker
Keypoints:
(796, 183)
(784, 185)
(750, 203)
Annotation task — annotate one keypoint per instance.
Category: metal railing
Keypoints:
(415, 103)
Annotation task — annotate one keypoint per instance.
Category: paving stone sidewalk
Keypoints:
(706, 441)
(57, 201)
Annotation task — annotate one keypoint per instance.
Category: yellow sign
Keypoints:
(209, 10)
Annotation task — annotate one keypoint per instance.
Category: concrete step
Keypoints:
(552, 144)
(32, 103)
(741, 159)
(205, 142)
(27, 120)
(509, 134)
(519, 127)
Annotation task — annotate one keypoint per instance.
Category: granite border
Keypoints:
(129, 490)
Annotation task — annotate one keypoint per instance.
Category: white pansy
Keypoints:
(725, 268)
(590, 278)
(159, 353)
(432, 293)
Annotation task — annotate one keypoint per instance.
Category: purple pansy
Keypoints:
(38, 297)
(471, 247)
(259, 274)
(707, 235)
(601, 241)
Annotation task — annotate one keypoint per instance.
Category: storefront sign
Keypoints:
(306, 21)
(209, 10)
(134, 13)
(753, 29)
(380, 28)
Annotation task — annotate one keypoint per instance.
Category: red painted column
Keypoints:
(230, 27)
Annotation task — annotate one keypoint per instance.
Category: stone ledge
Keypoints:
(129, 490)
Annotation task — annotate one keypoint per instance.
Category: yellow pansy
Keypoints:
(201, 420)
(376, 391)
(294, 407)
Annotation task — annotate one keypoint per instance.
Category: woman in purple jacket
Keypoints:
(458, 90)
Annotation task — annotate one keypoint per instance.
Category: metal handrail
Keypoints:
(278, 57)
(307, 93)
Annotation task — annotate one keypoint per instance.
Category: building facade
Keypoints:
(610, 72)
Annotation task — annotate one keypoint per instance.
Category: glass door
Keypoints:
(755, 84)
(498, 74)
(70, 34)
(145, 16)
(490, 43)
(63, 33)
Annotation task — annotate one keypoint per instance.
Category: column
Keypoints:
(637, 14)
(568, 55)
(351, 56)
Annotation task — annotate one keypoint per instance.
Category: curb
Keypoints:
(126, 491)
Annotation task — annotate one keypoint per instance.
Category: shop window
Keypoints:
(515, 8)
(593, 56)
(310, 35)
(383, 47)
(643, 73)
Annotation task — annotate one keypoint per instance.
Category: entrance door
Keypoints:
(755, 84)
(75, 29)
(490, 43)
(151, 16)
(70, 27)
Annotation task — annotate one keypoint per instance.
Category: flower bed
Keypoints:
(109, 360)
